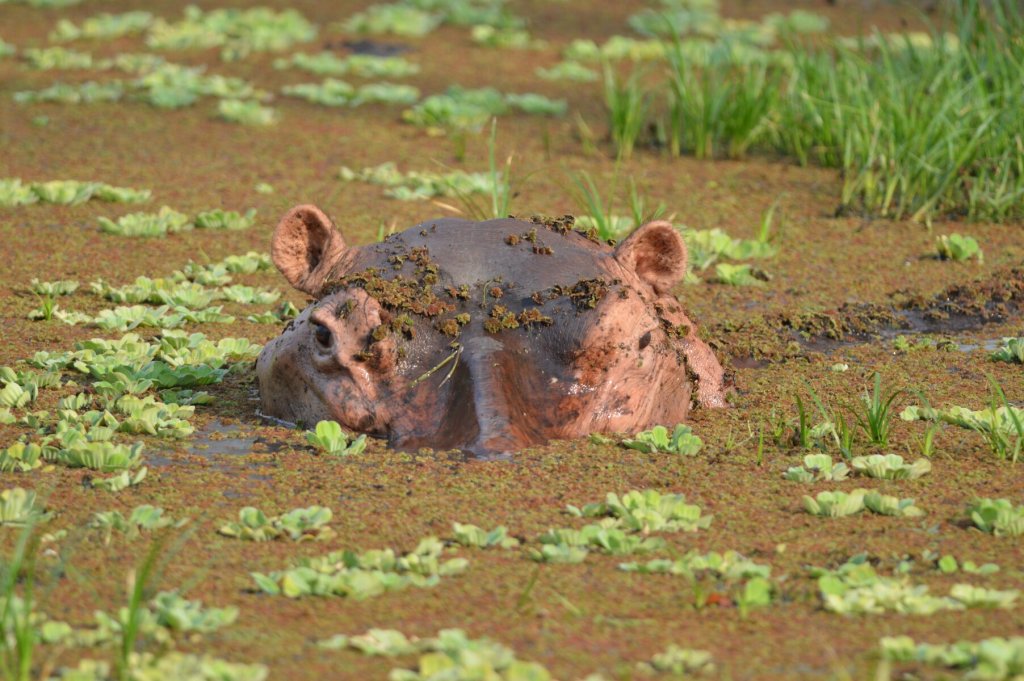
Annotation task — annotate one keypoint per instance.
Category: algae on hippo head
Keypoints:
(485, 336)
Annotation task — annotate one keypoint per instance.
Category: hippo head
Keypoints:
(485, 336)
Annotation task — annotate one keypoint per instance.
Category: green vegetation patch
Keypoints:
(997, 516)
(461, 109)
(991, 659)
(1011, 351)
(363, 575)
(682, 440)
(300, 524)
(329, 437)
(647, 511)
(449, 655)
(332, 92)
(855, 588)
(66, 192)
(362, 65)
(18, 508)
(238, 32)
(102, 27)
(418, 185)
(890, 467)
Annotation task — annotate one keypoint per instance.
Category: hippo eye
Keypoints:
(322, 334)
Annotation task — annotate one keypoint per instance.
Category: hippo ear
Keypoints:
(657, 253)
(305, 247)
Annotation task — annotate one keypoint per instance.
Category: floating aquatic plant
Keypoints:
(647, 511)
(225, 219)
(238, 32)
(471, 535)
(53, 288)
(362, 575)
(329, 437)
(166, 221)
(102, 26)
(680, 661)
(300, 524)
(246, 112)
(362, 65)
(1011, 351)
(47, 58)
(104, 457)
(397, 19)
(991, 659)
(142, 518)
(890, 467)
(20, 457)
(88, 92)
(18, 507)
(730, 566)
(958, 247)
(817, 467)
(888, 505)
(568, 70)
(682, 441)
(417, 185)
(997, 516)
(738, 275)
(835, 504)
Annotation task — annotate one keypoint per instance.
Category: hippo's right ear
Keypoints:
(657, 253)
(305, 247)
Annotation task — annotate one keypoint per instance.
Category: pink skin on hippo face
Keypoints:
(487, 337)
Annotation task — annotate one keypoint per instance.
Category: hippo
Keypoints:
(486, 337)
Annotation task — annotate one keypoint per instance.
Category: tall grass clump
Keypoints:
(626, 103)
(917, 128)
(719, 107)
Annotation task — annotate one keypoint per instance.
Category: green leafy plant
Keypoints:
(568, 545)
(997, 516)
(835, 504)
(647, 511)
(1011, 351)
(738, 275)
(300, 524)
(53, 289)
(47, 58)
(102, 27)
(142, 518)
(398, 19)
(238, 32)
(451, 654)
(82, 93)
(105, 457)
(20, 457)
(329, 437)
(890, 467)
(817, 467)
(471, 535)
(362, 65)
(166, 221)
(681, 441)
(359, 576)
(247, 112)
(179, 614)
(568, 70)
(958, 247)
(992, 658)
(225, 219)
(889, 505)
(680, 661)
(18, 508)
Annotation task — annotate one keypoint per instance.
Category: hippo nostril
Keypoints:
(645, 340)
(322, 335)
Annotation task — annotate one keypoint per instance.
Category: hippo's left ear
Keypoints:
(305, 247)
(657, 253)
